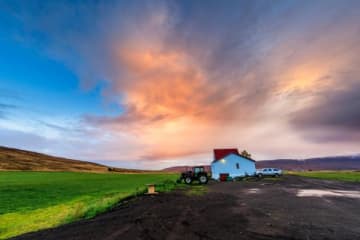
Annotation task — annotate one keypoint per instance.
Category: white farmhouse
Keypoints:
(229, 161)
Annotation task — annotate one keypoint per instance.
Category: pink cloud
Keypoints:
(224, 76)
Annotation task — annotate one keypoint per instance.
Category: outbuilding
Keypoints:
(229, 161)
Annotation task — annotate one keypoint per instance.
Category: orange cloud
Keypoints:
(190, 77)
(183, 97)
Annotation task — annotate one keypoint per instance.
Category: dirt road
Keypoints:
(288, 208)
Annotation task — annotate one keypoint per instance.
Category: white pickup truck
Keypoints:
(273, 172)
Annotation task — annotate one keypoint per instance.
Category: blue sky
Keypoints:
(40, 95)
(42, 81)
(153, 84)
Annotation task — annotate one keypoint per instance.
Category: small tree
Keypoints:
(245, 154)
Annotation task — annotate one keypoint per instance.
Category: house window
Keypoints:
(237, 165)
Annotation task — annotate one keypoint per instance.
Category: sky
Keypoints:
(152, 84)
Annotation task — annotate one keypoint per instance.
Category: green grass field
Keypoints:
(31, 201)
(350, 176)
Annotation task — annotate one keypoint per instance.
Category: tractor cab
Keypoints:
(198, 170)
(197, 173)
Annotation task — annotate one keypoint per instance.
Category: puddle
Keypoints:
(253, 190)
(327, 193)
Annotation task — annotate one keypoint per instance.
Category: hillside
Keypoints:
(21, 160)
(325, 163)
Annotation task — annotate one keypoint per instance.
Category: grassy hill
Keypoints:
(12, 159)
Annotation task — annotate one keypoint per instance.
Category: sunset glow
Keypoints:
(155, 84)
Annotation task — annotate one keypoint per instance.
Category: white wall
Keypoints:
(228, 165)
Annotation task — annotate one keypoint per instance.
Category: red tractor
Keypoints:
(195, 174)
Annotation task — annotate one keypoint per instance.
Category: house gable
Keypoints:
(223, 153)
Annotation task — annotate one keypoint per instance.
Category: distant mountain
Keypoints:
(325, 163)
(178, 169)
(20, 160)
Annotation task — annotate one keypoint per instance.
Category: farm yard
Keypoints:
(290, 207)
(31, 201)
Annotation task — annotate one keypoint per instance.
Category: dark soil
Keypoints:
(265, 209)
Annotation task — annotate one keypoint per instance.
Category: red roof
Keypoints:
(221, 153)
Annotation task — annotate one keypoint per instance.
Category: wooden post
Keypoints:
(151, 189)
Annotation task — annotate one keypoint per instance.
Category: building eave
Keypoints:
(216, 160)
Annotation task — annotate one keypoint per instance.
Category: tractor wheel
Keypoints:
(203, 179)
(188, 180)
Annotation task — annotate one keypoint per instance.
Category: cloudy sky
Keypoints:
(150, 84)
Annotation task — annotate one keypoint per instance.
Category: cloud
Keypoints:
(171, 93)
(192, 76)
(5, 108)
(335, 116)
(13, 138)
(9, 94)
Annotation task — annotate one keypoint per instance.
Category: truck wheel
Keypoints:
(277, 175)
(260, 175)
(188, 180)
(203, 179)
